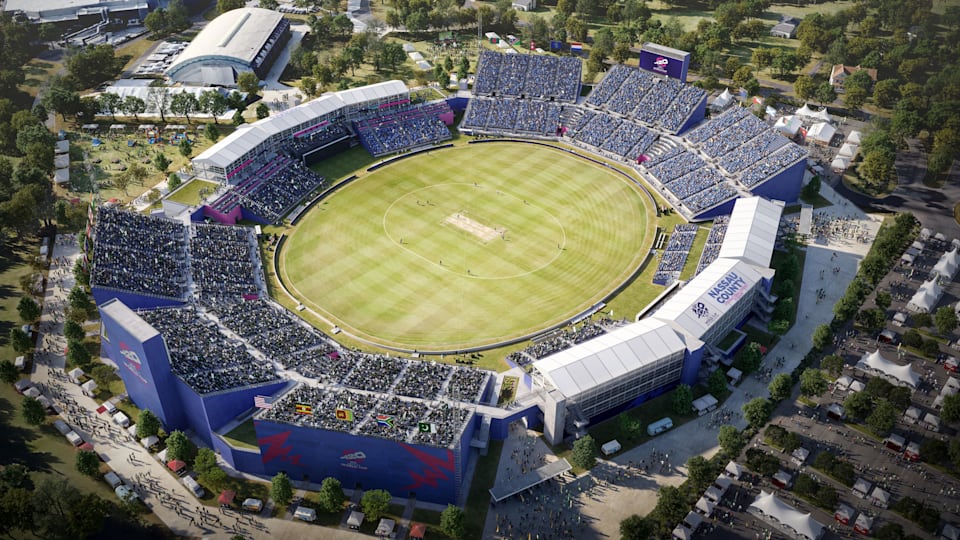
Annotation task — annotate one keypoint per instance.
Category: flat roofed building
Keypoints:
(246, 39)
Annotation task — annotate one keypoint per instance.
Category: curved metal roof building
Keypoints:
(246, 39)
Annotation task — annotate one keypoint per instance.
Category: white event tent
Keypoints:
(800, 525)
(926, 297)
(876, 364)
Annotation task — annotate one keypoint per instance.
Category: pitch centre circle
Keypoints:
(475, 230)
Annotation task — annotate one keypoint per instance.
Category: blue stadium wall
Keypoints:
(210, 412)
(784, 186)
(103, 295)
(145, 370)
(724, 209)
(434, 474)
(500, 427)
(458, 104)
(698, 115)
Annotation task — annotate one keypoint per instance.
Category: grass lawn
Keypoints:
(243, 436)
(38, 72)
(14, 264)
(344, 164)
(648, 413)
(778, 259)
(478, 500)
(189, 193)
(415, 256)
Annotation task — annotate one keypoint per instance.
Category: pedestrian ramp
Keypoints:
(504, 490)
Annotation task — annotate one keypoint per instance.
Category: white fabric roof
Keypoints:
(752, 231)
(862, 485)
(821, 131)
(853, 137)
(237, 35)
(948, 264)
(704, 402)
(877, 363)
(926, 297)
(770, 506)
(839, 163)
(723, 99)
(610, 356)
(806, 111)
(788, 124)
(705, 507)
(733, 469)
(848, 150)
(712, 292)
(822, 114)
(238, 143)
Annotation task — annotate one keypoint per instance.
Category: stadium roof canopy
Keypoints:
(752, 231)
(609, 356)
(241, 141)
(233, 39)
(139, 329)
(787, 516)
(713, 292)
(876, 363)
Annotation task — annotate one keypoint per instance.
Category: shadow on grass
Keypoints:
(16, 448)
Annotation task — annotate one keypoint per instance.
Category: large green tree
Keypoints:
(147, 424)
(33, 412)
(453, 522)
(93, 65)
(757, 411)
(682, 400)
(375, 503)
(780, 387)
(88, 463)
(945, 319)
(281, 490)
(812, 382)
(883, 417)
(331, 495)
(28, 309)
(180, 447)
(584, 453)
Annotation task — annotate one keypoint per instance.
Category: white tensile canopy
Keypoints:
(770, 508)
(926, 297)
(839, 164)
(853, 137)
(806, 111)
(900, 375)
(948, 264)
(733, 470)
(822, 114)
(723, 99)
(848, 150)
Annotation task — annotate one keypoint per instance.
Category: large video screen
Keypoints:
(663, 65)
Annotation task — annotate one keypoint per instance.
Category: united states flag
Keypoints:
(263, 402)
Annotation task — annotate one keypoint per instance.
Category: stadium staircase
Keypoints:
(576, 422)
(570, 116)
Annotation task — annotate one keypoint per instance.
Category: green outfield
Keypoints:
(467, 246)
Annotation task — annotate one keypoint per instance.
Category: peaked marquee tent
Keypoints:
(900, 375)
(771, 509)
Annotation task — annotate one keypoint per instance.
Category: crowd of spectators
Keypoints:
(528, 75)
(675, 254)
(297, 147)
(202, 356)
(404, 129)
(560, 340)
(736, 135)
(635, 93)
(594, 128)
(268, 327)
(715, 125)
(772, 164)
(223, 262)
(512, 116)
(374, 372)
(272, 190)
(629, 140)
(141, 254)
(711, 249)
(324, 363)
(709, 197)
(675, 167)
(375, 415)
(751, 152)
(466, 384)
(694, 182)
(423, 380)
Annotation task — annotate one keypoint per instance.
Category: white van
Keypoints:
(610, 447)
(193, 486)
(62, 427)
(305, 514)
(74, 438)
(112, 479)
(253, 505)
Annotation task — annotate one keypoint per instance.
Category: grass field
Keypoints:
(418, 256)
(190, 193)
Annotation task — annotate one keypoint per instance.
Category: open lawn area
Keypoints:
(243, 436)
(189, 193)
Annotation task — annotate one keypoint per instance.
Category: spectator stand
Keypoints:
(405, 129)
(711, 249)
(269, 192)
(675, 254)
(143, 255)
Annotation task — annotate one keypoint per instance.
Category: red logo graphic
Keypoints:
(273, 448)
(432, 472)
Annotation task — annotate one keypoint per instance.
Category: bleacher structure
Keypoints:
(651, 122)
(674, 256)
(711, 249)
